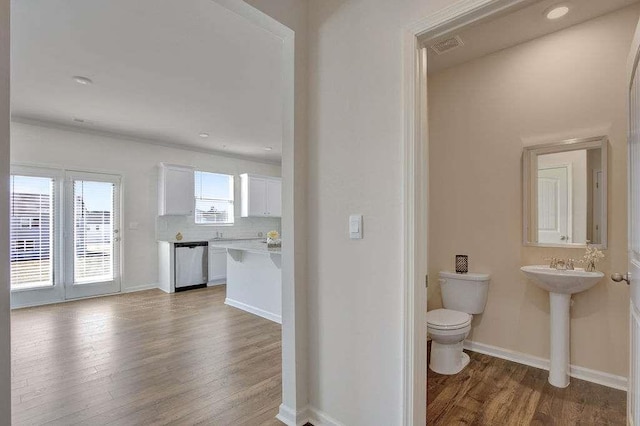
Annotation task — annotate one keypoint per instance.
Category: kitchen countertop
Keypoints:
(253, 246)
(207, 240)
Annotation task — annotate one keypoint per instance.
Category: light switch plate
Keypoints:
(355, 226)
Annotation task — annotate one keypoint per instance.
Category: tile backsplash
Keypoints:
(244, 227)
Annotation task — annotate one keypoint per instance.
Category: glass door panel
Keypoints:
(31, 228)
(94, 226)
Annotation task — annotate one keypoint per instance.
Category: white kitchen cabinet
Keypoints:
(175, 190)
(217, 265)
(274, 197)
(261, 196)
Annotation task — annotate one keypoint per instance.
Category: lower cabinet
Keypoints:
(217, 266)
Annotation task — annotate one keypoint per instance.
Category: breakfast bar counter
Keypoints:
(254, 277)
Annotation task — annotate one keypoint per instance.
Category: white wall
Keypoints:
(355, 166)
(137, 164)
(5, 347)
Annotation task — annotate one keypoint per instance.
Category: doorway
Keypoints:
(64, 230)
(507, 164)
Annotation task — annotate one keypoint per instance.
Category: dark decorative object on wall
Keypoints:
(462, 263)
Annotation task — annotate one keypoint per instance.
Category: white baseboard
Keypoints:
(140, 288)
(252, 309)
(320, 418)
(582, 373)
(217, 282)
(290, 417)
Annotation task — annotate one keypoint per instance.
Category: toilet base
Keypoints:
(447, 359)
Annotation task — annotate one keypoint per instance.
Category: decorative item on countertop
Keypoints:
(591, 257)
(462, 263)
(178, 236)
(273, 239)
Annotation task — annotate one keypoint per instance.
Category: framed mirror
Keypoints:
(565, 193)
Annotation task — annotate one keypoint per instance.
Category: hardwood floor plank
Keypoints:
(491, 391)
(145, 358)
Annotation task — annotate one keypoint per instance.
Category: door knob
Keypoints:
(618, 277)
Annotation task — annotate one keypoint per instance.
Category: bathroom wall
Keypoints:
(568, 84)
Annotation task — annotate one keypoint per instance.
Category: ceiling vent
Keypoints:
(447, 45)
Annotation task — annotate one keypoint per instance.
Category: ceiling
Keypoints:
(163, 71)
(513, 26)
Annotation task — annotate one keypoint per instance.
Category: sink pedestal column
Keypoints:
(560, 343)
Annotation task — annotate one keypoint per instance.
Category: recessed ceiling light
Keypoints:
(556, 12)
(85, 81)
(204, 135)
(268, 148)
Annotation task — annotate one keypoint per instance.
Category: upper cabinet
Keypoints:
(261, 196)
(175, 190)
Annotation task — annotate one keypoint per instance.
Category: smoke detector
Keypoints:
(447, 45)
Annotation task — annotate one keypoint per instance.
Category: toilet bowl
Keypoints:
(463, 295)
(448, 329)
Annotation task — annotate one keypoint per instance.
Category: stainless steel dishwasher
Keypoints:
(191, 265)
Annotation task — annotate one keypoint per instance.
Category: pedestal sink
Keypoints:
(560, 284)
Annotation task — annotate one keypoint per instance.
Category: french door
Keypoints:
(91, 234)
(64, 235)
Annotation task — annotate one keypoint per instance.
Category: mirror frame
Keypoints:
(530, 186)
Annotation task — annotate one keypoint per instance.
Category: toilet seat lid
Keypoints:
(447, 319)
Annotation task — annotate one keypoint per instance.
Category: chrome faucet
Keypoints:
(561, 264)
(553, 262)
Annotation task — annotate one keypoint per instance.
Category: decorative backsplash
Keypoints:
(244, 227)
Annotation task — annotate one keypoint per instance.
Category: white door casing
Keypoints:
(633, 395)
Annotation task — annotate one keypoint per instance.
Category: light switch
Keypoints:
(355, 226)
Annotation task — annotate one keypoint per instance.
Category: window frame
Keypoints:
(56, 222)
(232, 201)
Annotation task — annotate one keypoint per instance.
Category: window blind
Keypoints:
(31, 229)
(93, 214)
(214, 198)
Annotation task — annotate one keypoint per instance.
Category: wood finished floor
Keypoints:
(146, 358)
(492, 391)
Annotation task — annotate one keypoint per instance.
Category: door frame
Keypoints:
(632, 69)
(292, 411)
(89, 289)
(294, 351)
(415, 192)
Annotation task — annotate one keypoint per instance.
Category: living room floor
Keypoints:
(145, 358)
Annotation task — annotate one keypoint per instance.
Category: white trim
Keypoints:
(293, 418)
(294, 345)
(320, 418)
(253, 310)
(415, 198)
(582, 373)
(140, 288)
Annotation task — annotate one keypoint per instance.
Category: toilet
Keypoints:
(462, 296)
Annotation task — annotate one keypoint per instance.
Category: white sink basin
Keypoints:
(562, 281)
(560, 284)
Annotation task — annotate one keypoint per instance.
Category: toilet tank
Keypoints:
(464, 292)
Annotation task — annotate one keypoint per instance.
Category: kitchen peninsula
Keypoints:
(254, 277)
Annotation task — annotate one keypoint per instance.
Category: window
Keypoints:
(31, 204)
(214, 198)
